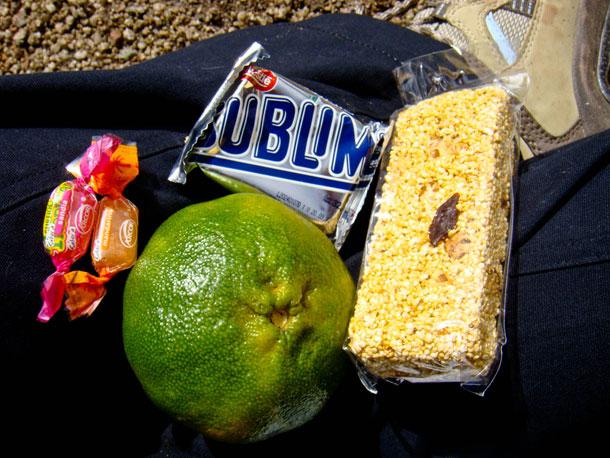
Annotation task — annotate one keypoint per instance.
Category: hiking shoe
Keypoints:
(563, 45)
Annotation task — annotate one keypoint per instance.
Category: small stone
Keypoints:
(116, 37)
(20, 20)
(129, 35)
(80, 55)
(34, 39)
(20, 36)
(50, 7)
(126, 53)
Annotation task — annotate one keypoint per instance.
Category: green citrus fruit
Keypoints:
(235, 315)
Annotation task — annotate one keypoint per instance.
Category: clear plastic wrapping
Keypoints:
(430, 301)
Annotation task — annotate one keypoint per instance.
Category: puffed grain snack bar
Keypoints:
(426, 312)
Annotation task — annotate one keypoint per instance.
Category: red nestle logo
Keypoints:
(262, 79)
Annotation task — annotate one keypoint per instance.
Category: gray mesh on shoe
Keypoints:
(424, 15)
(426, 21)
(525, 7)
(513, 25)
(443, 32)
(453, 36)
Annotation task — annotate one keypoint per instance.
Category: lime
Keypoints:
(235, 316)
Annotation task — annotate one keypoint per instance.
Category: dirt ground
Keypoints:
(53, 35)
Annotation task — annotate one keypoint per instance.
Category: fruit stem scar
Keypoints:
(279, 318)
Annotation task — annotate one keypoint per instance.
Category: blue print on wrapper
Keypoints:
(304, 135)
(350, 150)
(323, 135)
(238, 144)
(312, 136)
(274, 137)
(300, 157)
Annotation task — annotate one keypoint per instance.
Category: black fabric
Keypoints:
(562, 320)
(66, 386)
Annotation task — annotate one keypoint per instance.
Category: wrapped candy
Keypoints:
(67, 229)
(114, 248)
(74, 214)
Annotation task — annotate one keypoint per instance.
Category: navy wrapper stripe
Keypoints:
(283, 174)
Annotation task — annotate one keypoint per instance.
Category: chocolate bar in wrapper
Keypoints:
(263, 132)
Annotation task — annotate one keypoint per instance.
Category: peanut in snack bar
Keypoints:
(430, 296)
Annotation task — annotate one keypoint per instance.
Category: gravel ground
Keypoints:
(47, 35)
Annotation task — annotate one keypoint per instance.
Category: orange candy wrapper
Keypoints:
(114, 248)
(74, 214)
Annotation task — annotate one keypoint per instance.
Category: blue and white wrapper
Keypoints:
(263, 132)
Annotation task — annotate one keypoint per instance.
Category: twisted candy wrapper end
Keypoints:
(97, 156)
(109, 165)
(84, 293)
(52, 295)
